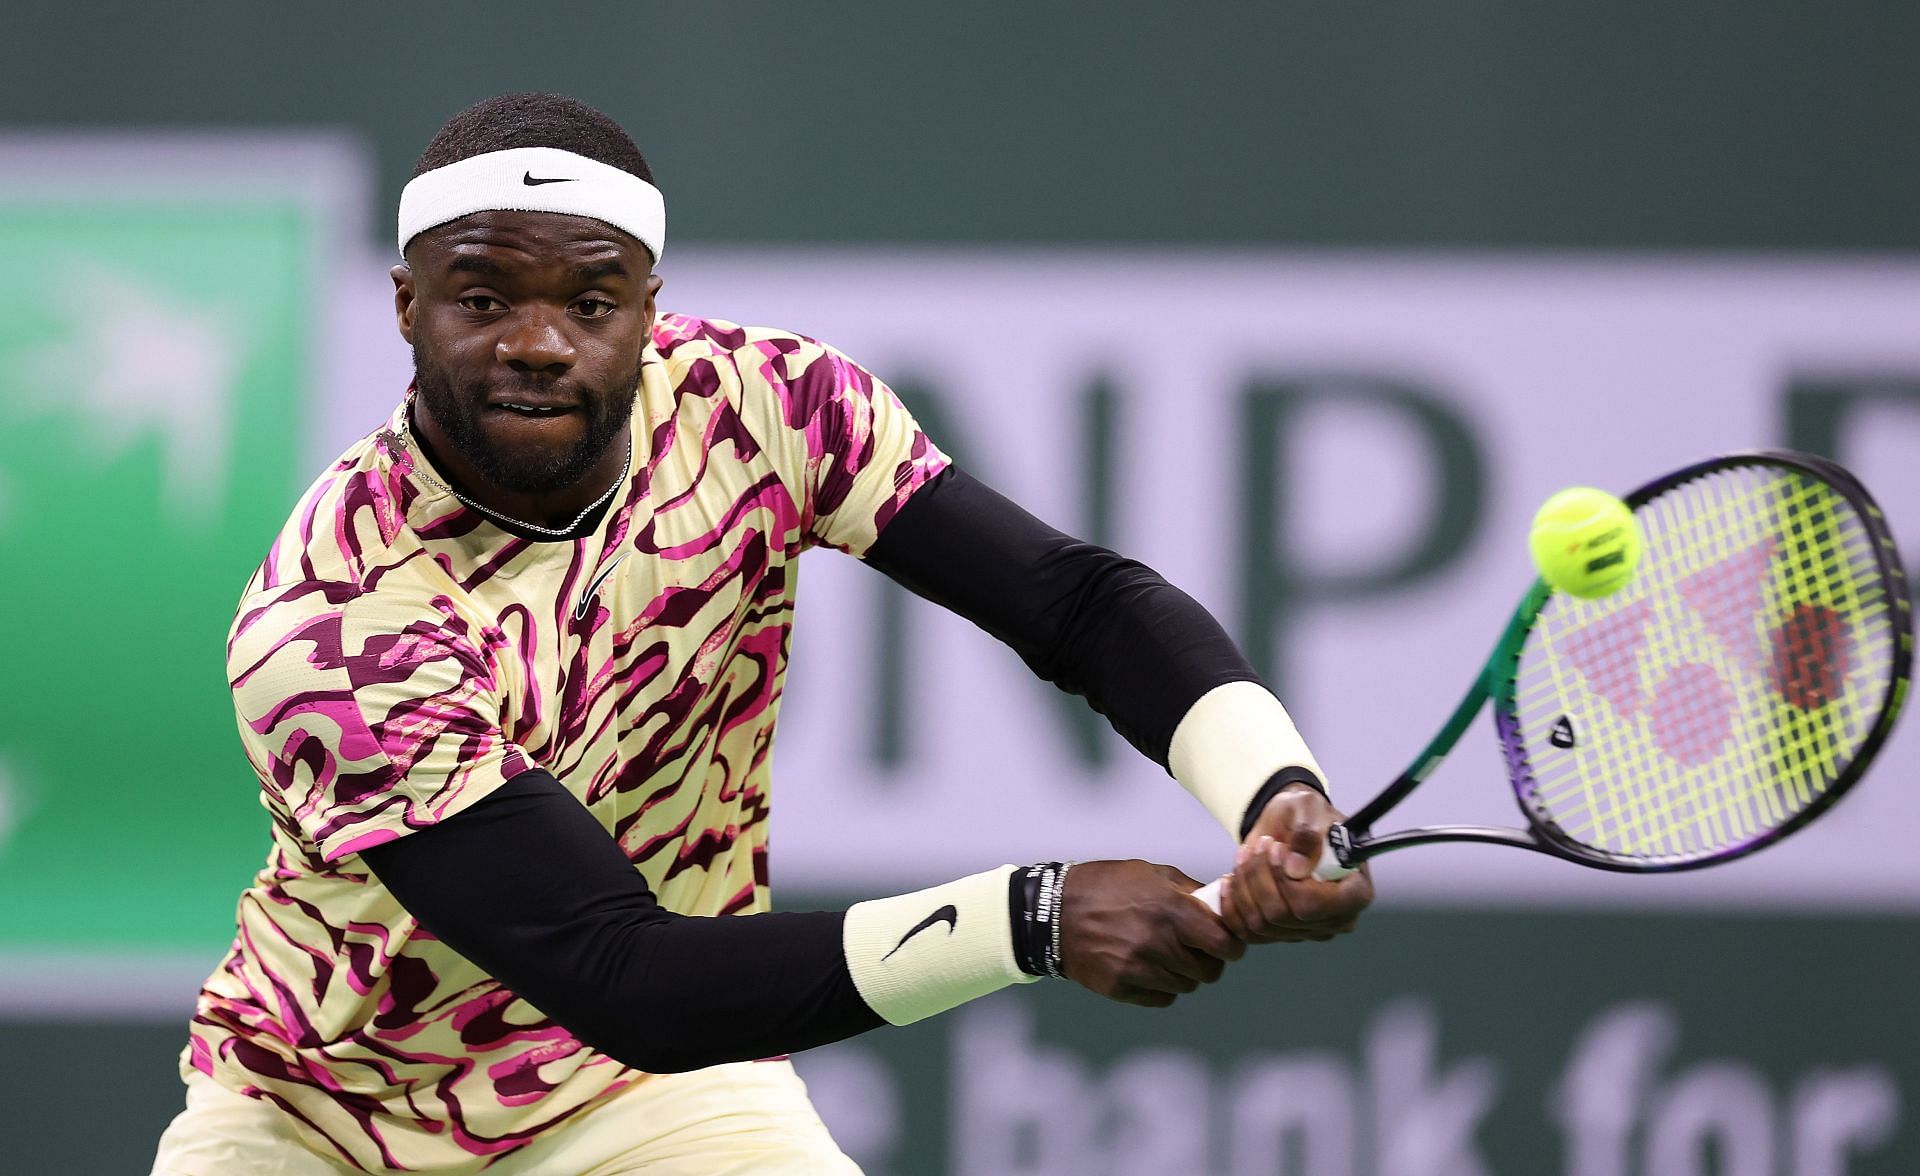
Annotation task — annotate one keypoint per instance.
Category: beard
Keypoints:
(522, 469)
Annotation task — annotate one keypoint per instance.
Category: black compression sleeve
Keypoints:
(1093, 623)
(529, 887)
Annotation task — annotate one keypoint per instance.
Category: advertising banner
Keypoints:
(1438, 1044)
(1338, 455)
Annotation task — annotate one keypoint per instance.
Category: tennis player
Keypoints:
(508, 679)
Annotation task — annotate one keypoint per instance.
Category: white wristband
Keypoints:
(1230, 743)
(923, 953)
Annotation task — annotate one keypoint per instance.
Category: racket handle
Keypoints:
(1328, 869)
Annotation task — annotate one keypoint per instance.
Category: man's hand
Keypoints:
(1132, 932)
(1272, 895)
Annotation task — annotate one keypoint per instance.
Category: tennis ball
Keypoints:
(1585, 542)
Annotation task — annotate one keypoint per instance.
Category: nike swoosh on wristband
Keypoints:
(593, 589)
(530, 180)
(947, 914)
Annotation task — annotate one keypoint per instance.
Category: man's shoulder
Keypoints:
(684, 341)
(758, 368)
(675, 334)
(330, 612)
(349, 526)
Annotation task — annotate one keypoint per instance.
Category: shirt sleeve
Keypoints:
(849, 448)
(1112, 630)
(366, 717)
(529, 887)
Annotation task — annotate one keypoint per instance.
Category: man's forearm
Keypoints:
(529, 887)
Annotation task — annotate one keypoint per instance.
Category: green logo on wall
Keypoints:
(154, 376)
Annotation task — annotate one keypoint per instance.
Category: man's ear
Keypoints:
(403, 299)
(654, 282)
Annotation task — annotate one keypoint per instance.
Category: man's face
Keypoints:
(527, 331)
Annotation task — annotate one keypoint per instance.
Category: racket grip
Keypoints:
(1328, 869)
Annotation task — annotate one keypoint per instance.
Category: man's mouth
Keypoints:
(533, 406)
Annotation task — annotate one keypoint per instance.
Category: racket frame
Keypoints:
(1350, 844)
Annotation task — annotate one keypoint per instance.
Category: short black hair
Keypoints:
(533, 120)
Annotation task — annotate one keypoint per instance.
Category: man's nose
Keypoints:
(536, 340)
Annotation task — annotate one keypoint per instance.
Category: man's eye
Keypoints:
(593, 308)
(481, 303)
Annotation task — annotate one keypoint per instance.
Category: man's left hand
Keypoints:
(1272, 895)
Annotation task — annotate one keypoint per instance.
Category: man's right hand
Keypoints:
(1130, 931)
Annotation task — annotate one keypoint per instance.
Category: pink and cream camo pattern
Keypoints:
(397, 657)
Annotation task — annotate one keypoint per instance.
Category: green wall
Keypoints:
(1770, 123)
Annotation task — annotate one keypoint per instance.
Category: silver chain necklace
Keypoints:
(420, 471)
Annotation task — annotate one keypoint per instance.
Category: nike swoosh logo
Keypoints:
(593, 589)
(531, 180)
(946, 914)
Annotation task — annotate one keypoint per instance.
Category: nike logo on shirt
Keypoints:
(593, 589)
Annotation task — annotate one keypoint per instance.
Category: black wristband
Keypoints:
(1023, 897)
(1271, 789)
(1032, 918)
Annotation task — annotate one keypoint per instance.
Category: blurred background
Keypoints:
(1307, 305)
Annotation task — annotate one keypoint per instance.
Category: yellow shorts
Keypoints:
(747, 1117)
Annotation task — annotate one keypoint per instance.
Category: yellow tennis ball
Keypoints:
(1585, 542)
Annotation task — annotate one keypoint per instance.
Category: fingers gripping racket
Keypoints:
(1734, 689)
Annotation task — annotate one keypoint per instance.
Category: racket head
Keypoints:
(1735, 689)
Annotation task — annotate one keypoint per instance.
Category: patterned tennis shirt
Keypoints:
(397, 657)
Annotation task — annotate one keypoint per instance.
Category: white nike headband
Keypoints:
(534, 179)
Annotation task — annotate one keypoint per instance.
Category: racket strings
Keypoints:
(1693, 814)
(1731, 816)
(1771, 797)
(1727, 813)
(1726, 688)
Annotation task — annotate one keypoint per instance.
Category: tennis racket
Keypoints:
(1730, 693)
